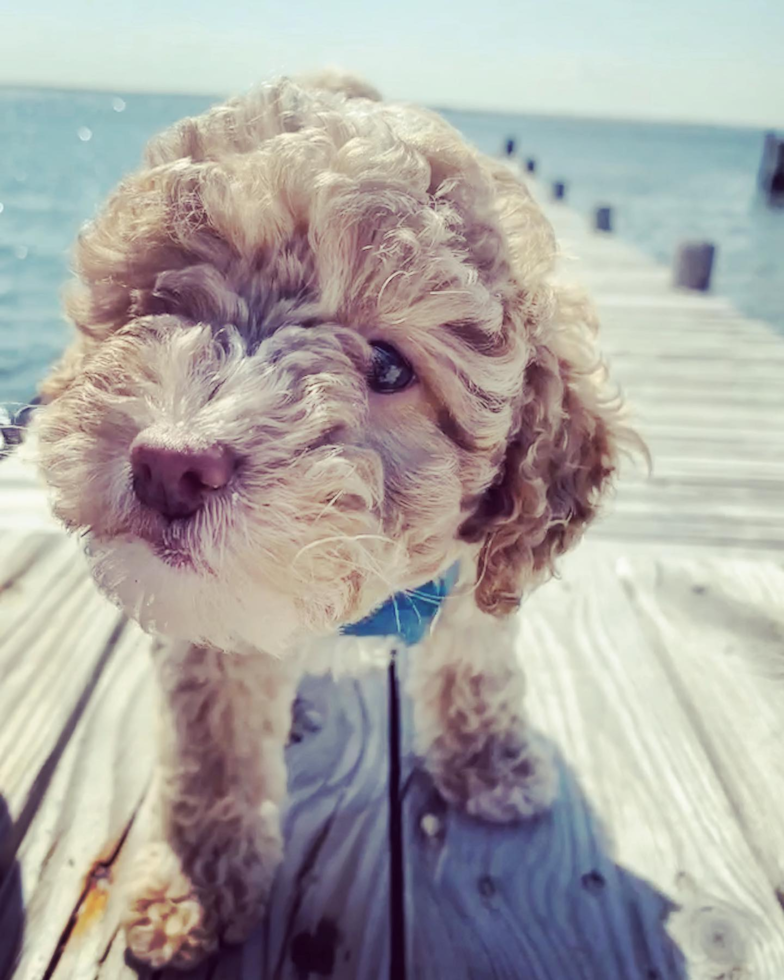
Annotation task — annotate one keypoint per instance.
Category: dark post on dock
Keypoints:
(771, 171)
(603, 218)
(693, 265)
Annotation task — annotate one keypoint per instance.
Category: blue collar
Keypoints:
(407, 615)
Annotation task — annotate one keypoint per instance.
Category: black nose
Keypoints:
(177, 482)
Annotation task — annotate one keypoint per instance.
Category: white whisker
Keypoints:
(397, 614)
(341, 538)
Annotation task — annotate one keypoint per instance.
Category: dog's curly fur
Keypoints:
(226, 294)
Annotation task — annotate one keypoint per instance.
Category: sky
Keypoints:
(716, 61)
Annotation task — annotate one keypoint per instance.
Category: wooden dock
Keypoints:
(656, 670)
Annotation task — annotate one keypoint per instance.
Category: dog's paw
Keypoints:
(167, 922)
(497, 777)
(177, 915)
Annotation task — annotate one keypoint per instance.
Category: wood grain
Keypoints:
(23, 500)
(55, 640)
(642, 869)
(328, 913)
(718, 629)
(70, 848)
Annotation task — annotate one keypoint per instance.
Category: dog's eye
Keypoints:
(389, 370)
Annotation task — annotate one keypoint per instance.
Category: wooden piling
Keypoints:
(603, 218)
(771, 170)
(693, 265)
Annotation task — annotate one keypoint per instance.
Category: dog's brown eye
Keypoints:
(389, 370)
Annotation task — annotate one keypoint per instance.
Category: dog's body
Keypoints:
(319, 362)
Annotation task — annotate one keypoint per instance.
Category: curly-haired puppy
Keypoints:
(319, 363)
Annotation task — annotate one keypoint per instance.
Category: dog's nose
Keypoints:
(177, 482)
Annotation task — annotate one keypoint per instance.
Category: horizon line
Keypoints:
(588, 117)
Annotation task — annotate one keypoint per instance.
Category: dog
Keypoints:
(322, 380)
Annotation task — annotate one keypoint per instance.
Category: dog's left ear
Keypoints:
(561, 455)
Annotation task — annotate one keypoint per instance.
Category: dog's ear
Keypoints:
(561, 454)
(567, 431)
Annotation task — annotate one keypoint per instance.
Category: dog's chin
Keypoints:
(170, 594)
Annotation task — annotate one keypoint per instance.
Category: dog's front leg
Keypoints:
(468, 687)
(220, 782)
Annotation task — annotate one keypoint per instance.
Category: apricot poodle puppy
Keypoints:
(321, 378)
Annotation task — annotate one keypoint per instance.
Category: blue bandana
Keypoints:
(407, 615)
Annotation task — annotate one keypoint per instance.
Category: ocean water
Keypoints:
(61, 152)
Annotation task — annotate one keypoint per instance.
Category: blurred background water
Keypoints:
(61, 152)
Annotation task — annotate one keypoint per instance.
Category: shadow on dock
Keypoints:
(11, 903)
(542, 898)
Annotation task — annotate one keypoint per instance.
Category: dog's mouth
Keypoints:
(177, 554)
(178, 558)
(176, 547)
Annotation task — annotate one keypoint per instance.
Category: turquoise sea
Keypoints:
(61, 152)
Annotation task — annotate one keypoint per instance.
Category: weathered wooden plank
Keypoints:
(671, 464)
(671, 347)
(18, 553)
(688, 401)
(641, 870)
(722, 481)
(683, 303)
(650, 280)
(718, 629)
(665, 336)
(730, 447)
(758, 361)
(59, 639)
(742, 421)
(663, 343)
(92, 932)
(35, 574)
(690, 387)
(746, 543)
(23, 501)
(329, 912)
(701, 501)
(753, 526)
(699, 319)
(67, 854)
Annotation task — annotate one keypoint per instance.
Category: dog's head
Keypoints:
(318, 359)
